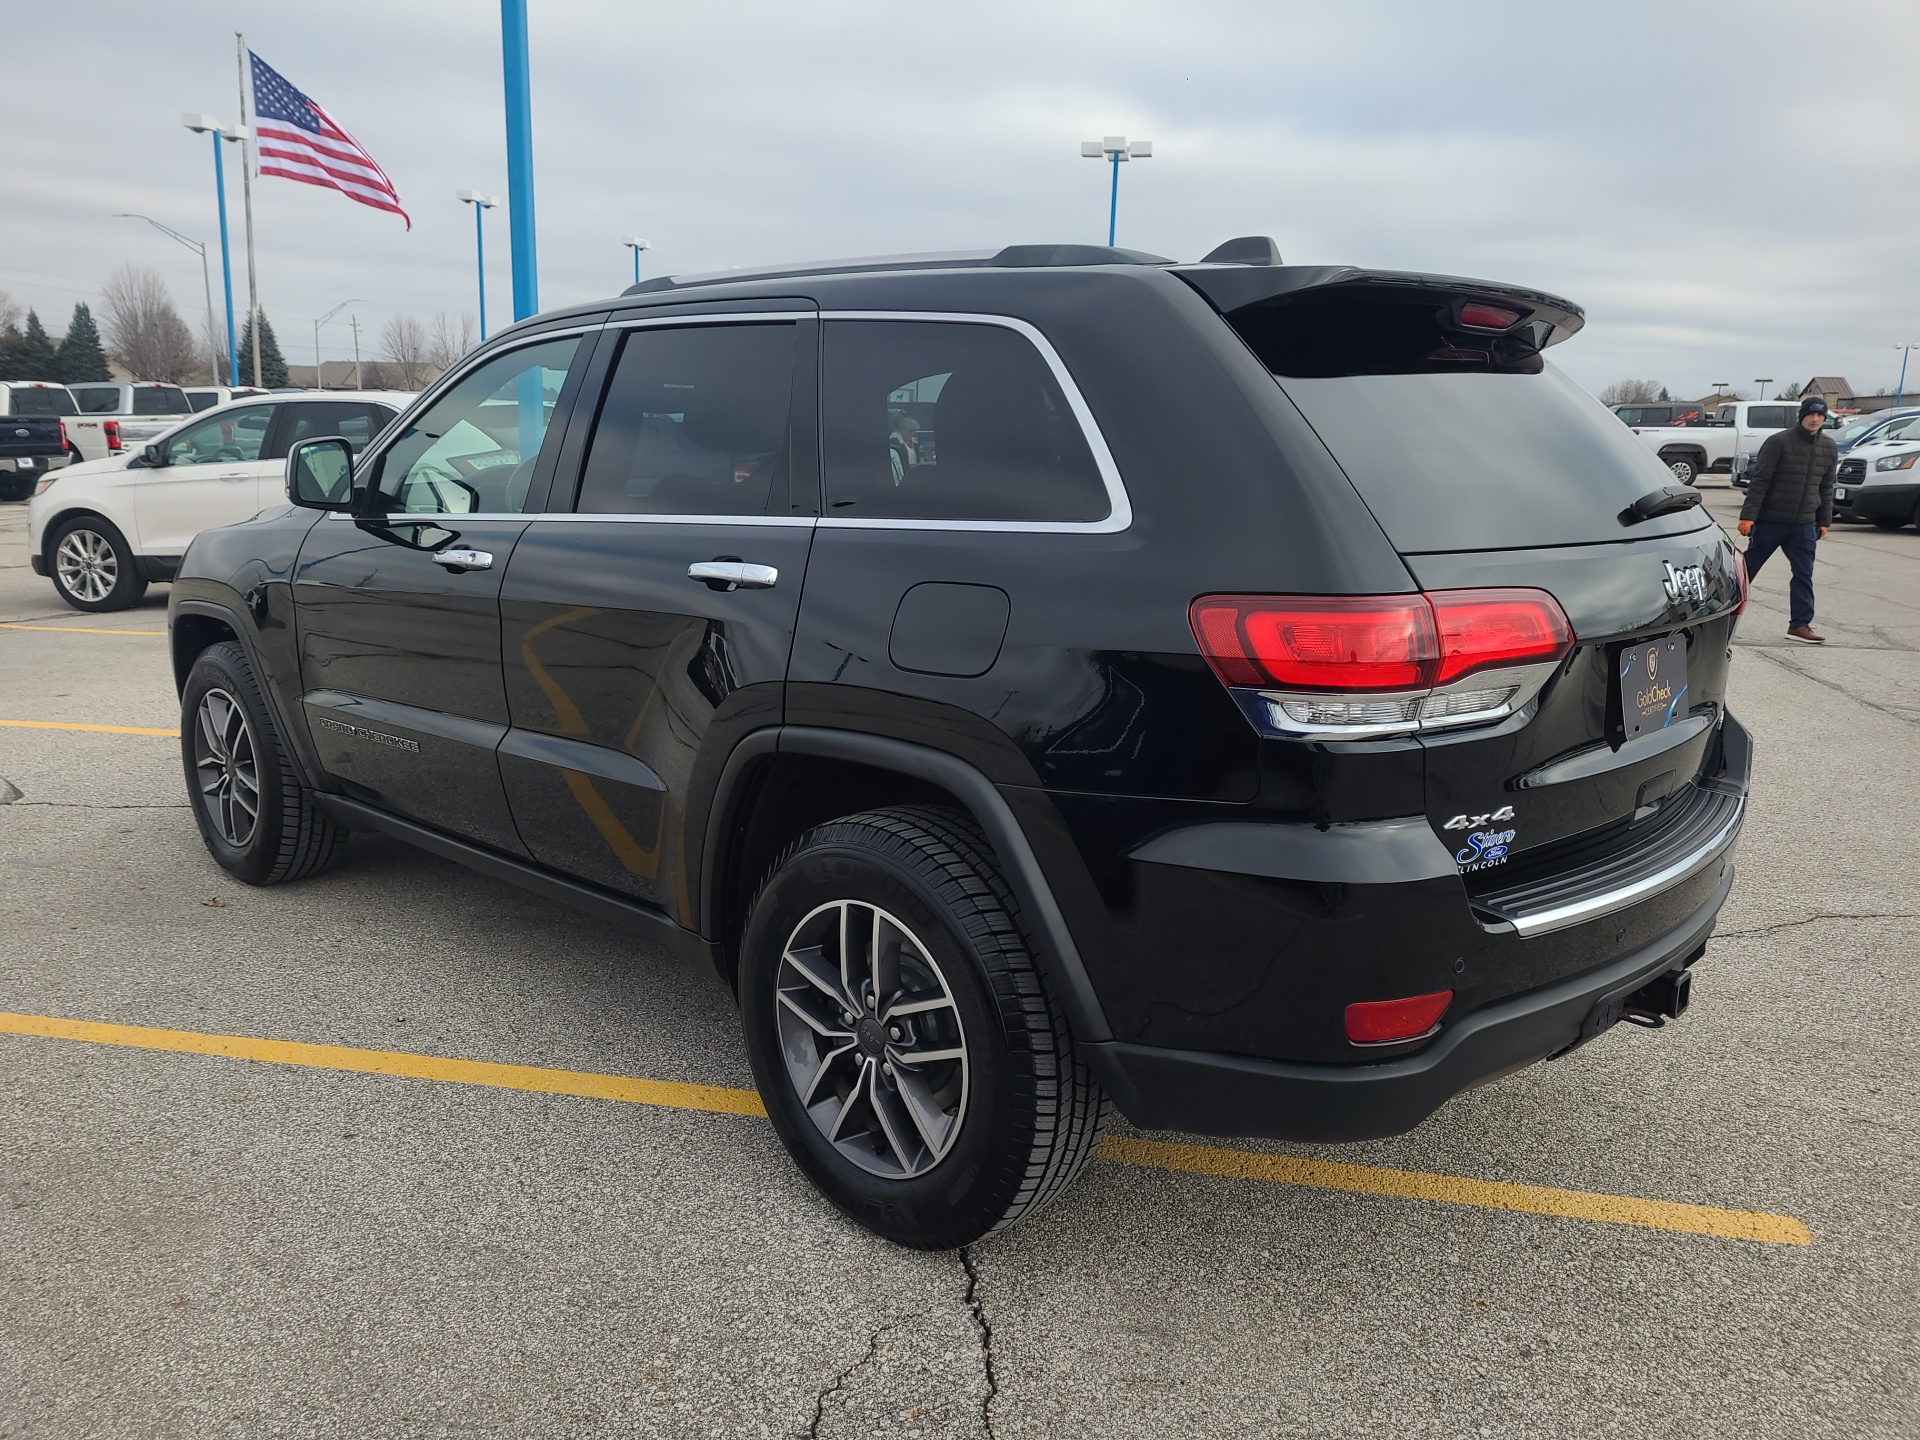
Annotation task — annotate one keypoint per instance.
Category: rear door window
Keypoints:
(695, 422)
(160, 400)
(935, 420)
(1770, 417)
(1455, 443)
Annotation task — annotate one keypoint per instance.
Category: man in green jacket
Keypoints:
(1790, 507)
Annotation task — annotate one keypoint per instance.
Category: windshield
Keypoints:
(43, 400)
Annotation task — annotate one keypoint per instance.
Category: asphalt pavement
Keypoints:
(274, 1241)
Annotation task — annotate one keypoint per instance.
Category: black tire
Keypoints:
(92, 566)
(16, 486)
(1686, 470)
(1029, 1113)
(289, 836)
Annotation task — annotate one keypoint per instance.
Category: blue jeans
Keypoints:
(1798, 541)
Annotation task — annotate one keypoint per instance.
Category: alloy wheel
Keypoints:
(225, 766)
(87, 566)
(872, 1039)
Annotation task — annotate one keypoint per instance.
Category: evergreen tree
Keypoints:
(273, 365)
(80, 356)
(34, 357)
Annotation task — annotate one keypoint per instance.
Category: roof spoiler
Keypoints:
(1234, 286)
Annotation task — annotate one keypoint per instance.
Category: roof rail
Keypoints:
(1011, 257)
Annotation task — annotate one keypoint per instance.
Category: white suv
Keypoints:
(101, 531)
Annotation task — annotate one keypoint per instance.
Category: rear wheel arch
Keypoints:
(781, 782)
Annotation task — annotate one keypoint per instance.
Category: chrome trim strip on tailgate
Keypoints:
(1554, 904)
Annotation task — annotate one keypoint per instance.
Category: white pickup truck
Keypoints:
(1737, 427)
(84, 437)
(143, 410)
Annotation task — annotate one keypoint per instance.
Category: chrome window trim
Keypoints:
(572, 517)
(1119, 515)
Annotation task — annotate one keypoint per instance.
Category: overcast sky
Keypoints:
(1730, 191)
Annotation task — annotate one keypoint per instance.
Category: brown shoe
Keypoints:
(1804, 633)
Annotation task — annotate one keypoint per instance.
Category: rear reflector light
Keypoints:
(112, 427)
(1381, 1022)
(1487, 317)
(65, 444)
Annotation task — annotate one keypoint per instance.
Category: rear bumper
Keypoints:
(1230, 1095)
(1876, 502)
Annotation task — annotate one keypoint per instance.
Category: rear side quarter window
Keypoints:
(953, 421)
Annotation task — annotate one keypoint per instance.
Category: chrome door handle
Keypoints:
(459, 559)
(237, 475)
(734, 574)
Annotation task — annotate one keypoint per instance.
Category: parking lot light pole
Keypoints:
(207, 125)
(1115, 149)
(316, 338)
(1900, 388)
(481, 204)
(206, 278)
(636, 244)
(519, 105)
(1760, 392)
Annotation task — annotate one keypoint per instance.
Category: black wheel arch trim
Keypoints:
(1057, 956)
(234, 617)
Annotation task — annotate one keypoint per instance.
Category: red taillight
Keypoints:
(1318, 643)
(1379, 1022)
(112, 427)
(1485, 629)
(1338, 644)
(1740, 573)
(1487, 317)
(65, 444)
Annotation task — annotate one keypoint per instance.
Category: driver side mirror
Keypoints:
(320, 474)
(153, 455)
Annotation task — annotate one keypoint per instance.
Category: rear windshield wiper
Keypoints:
(1664, 501)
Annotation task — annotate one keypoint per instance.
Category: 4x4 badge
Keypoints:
(1467, 822)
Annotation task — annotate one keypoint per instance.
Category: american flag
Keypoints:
(300, 141)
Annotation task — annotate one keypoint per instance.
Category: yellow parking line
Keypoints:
(97, 729)
(77, 629)
(1459, 1190)
(1124, 1149)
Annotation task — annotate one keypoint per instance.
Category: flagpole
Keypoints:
(246, 191)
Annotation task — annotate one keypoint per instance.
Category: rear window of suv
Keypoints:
(41, 400)
(1455, 441)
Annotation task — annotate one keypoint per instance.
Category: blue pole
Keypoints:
(226, 260)
(519, 95)
(480, 250)
(1900, 390)
(1113, 202)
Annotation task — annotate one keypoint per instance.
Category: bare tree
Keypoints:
(144, 331)
(1633, 392)
(10, 312)
(405, 341)
(448, 342)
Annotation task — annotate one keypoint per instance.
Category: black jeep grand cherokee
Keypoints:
(1269, 696)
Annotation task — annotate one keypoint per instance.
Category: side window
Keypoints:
(97, 399)
(474, 449)
(1658, 415)
(1901, 430)
(937, 420)
(357, 421)
(1629, 414)
(1770, 417)
(234, 437)
(695, 422)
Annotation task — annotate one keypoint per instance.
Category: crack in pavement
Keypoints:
(1814, 920)
(85, 805)
(840, 1381)
(1768, 654)
(973, 1303)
